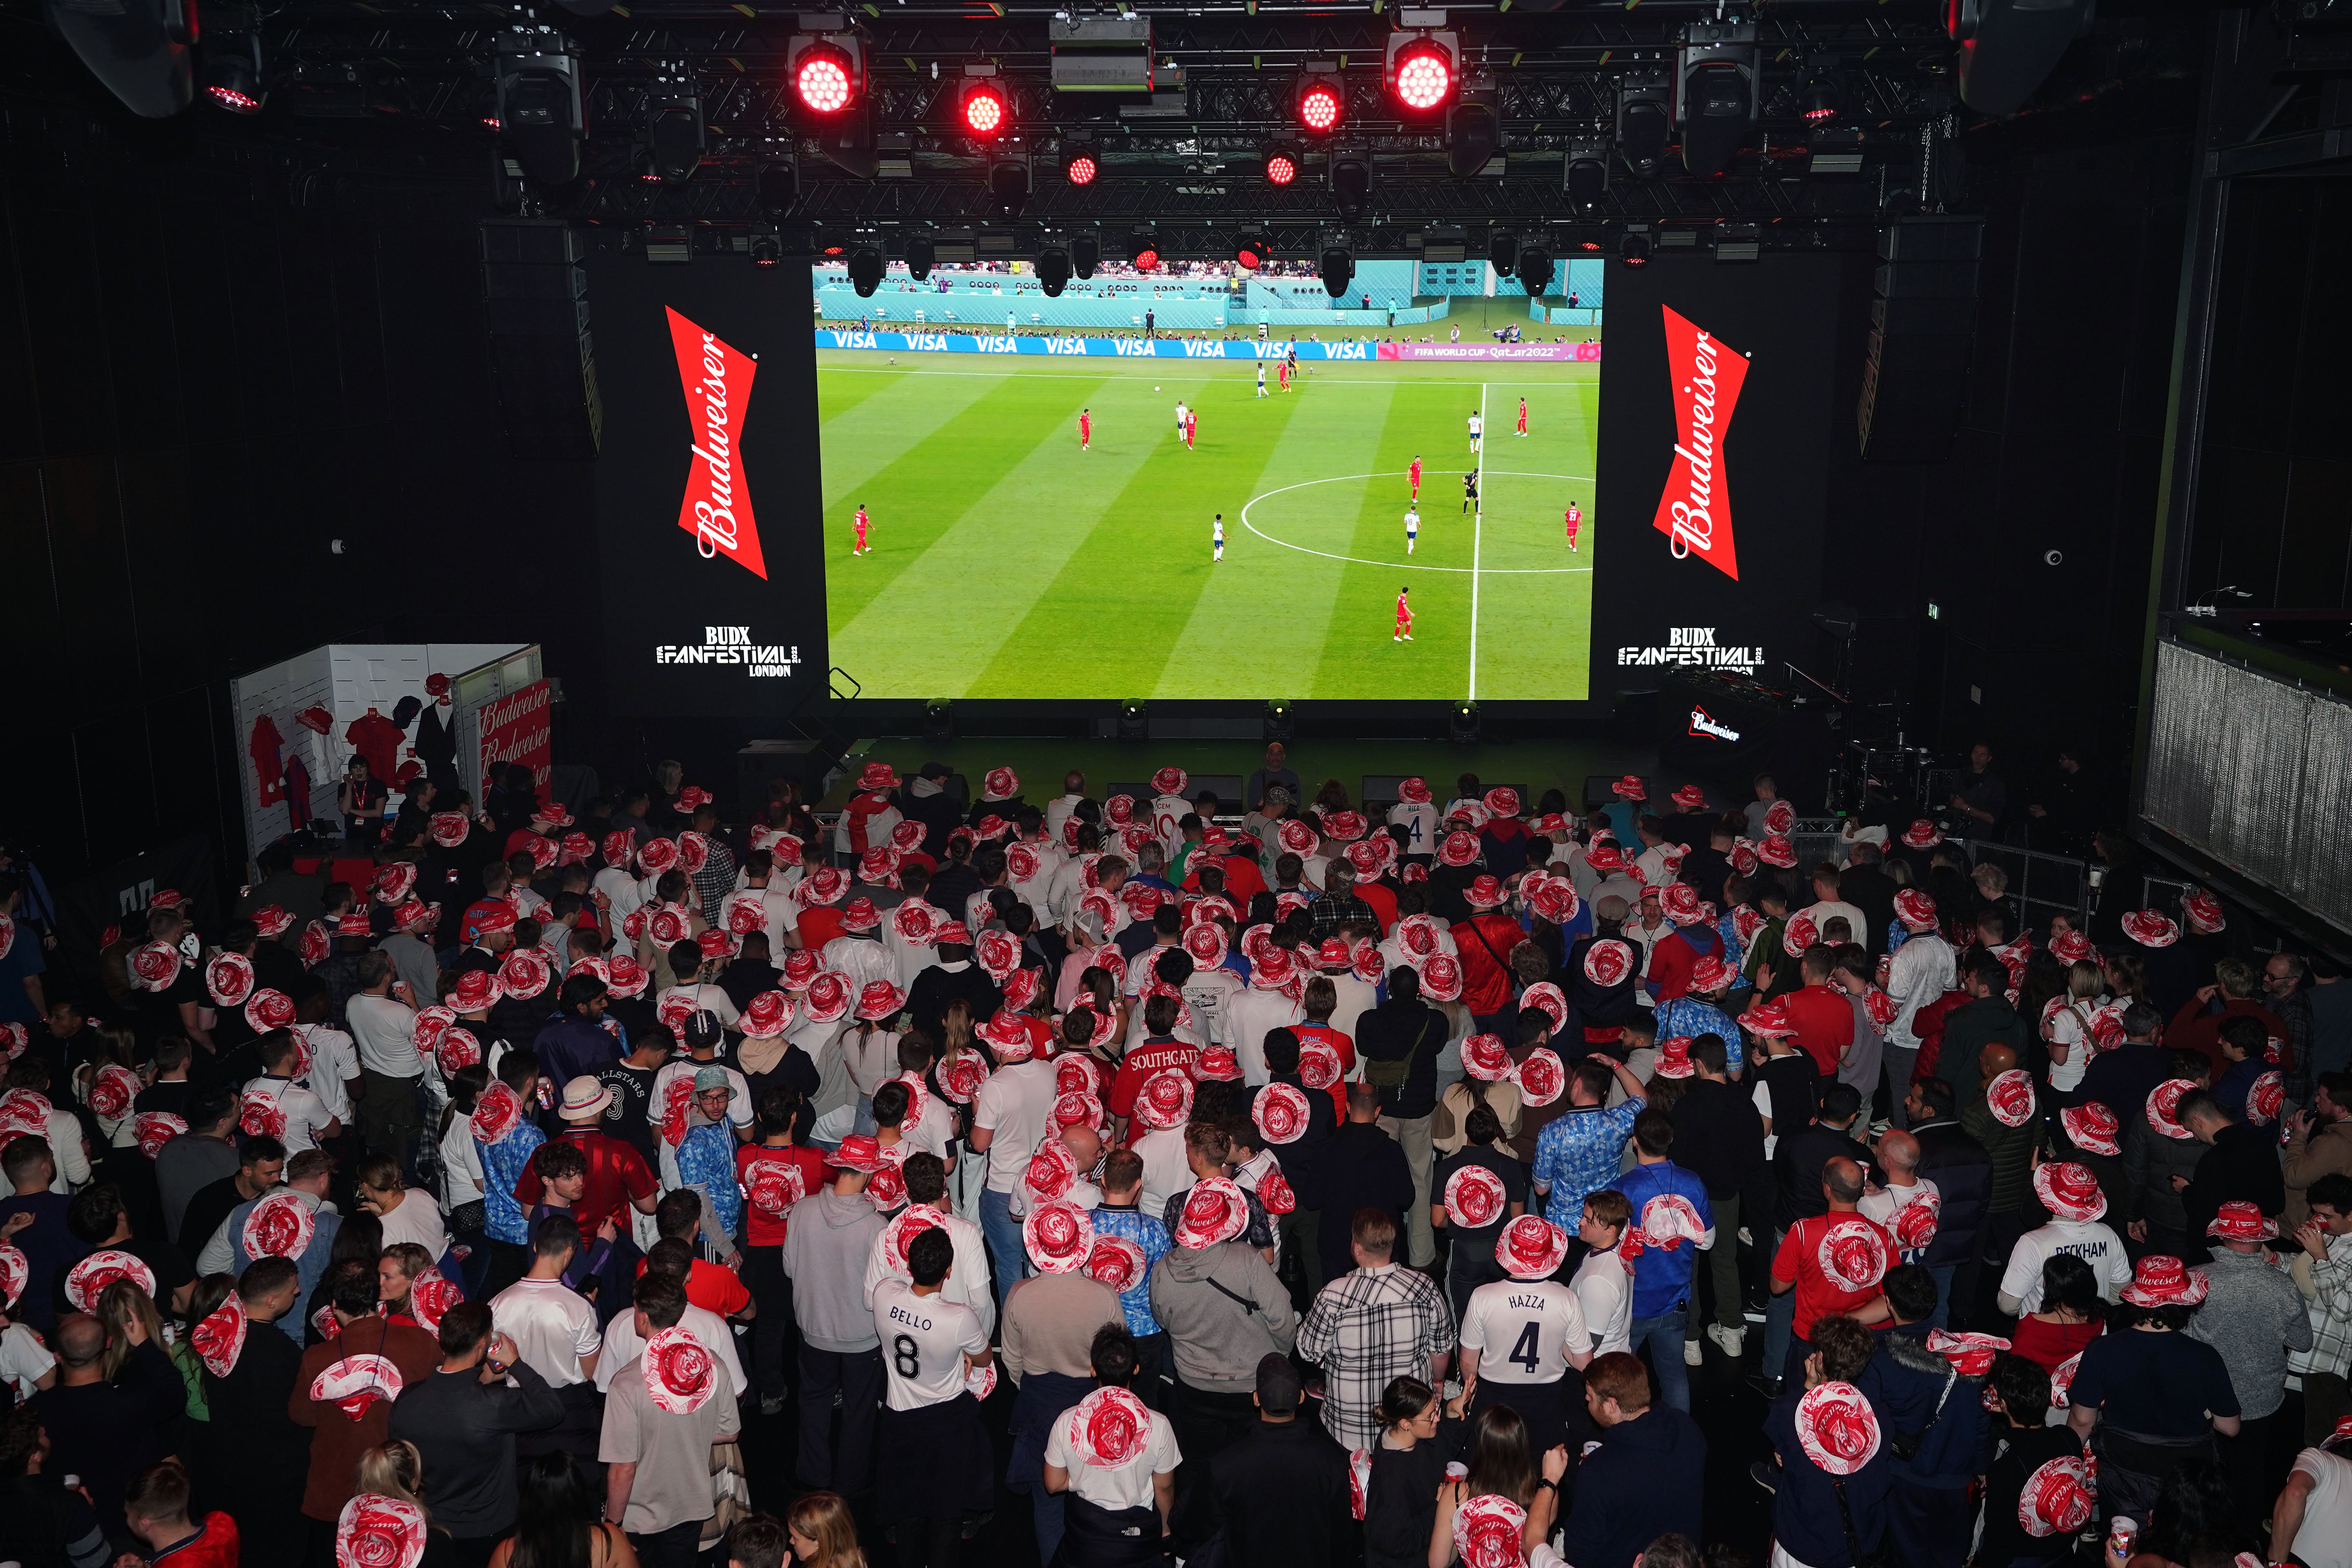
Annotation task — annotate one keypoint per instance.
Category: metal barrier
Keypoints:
(2039, 880)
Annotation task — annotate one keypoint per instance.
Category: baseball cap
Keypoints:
(703, 1029)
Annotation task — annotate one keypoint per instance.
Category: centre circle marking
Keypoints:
(1406, 565)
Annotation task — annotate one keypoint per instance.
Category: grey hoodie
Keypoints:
(1218, 1340)
(827, 1241)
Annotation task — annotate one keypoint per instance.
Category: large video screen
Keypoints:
(1043, 482)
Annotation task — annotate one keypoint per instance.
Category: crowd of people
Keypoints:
(1297, 1180)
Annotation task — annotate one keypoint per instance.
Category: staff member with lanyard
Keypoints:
(2147, 1396)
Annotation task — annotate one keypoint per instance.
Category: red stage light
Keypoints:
(1424, 75)
(1817, 115)
(237, 102)
(1319, 106)
(1082, 170)
(1146, 260)
(1280, 170)
(823, 79)
(986, 109)
(1249, 259)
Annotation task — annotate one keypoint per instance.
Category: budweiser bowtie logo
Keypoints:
(718, 506)
(1694, 511)
(1704, 724)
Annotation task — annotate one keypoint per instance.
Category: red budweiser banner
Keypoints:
(718, 506)
(1694, 510)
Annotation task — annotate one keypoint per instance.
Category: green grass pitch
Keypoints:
(1006, 563)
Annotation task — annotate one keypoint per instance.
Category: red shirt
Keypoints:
(819, 924)
(1485, 977)
(764, 1231)
(213, 1545)
(1824, 1020)
(1817, 1298)
(1383, 902)
(2194, 1028)
(1150, 1057)
(617, 1177)
(713, 1287)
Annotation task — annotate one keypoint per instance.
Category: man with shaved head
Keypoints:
(1898, 1185)
(1859, 1249)
(103, 1431)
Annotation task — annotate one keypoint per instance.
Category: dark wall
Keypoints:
(2059, 450)
(2273, 511)
(221, 351)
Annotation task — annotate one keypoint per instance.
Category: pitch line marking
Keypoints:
(1394, 565)
(1478, 519)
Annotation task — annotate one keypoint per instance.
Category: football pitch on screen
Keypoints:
(1005, 562)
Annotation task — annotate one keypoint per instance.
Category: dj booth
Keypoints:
(1723, 729)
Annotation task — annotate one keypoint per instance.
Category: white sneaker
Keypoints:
(1731, 1342)
(1694, 1354)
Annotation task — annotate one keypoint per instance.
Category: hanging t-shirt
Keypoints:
(379, 740)
(266, 746)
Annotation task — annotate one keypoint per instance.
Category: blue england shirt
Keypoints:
(1662, 1275)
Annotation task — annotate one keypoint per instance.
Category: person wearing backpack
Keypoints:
(1399, 1041)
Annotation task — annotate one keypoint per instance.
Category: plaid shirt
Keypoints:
(716, 880)
(2329, 1303)
(1151, 1236)
(1578, 1154)
(1330, 910)
(1366, 1329)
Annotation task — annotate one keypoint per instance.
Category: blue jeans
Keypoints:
(1943, 1272)
(1663, 1335)
(1780, 1319)
(1007, 1252)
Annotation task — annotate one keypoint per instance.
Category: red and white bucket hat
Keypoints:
(681, 1374)
(2161, 1281)
(280, 1226)
(229, 979)
(1318, 1064)
(1000, 784)
(1609, 962)
(1681, 903)
(1777, 850)
(1281, 1112)
(1690, 797)
(1630, 788)
(2069, 1190)
(1169, 780)
(1484, 892)
(1413, 792)
(1458, 848)
(1215, 1210)
(1972, 1355)
(449, 829)
(1837, 1428)
(153, 1129)
(378, 1531)
(1799, 934)
(1502, 800)
(2072, 948)
(1165, 1099)
(2059, 1498)
(2009, 1097)
(1118, 1262)
(2265, 1099)
(354, 1384)
(1486, 1531)
(87, 1280)
(1916, 909)
(2203, 912)
(1922, 835)
(2150, 928)
(1531, 1248)
(1108, 1429)
(2092, 1128)
(2163, 1107)
(1915, 1224)
(1540, 1079)
(767, 1016)
(2242, 1221)
(219, 1339)
(1058, 1236)
(1218, 1064)
(1486, 1058)
(1441, 977)
(1076, 1108)
(1853, 1253)
(1675, 1058)
(827, 999)
(1474, 1198)
(1780, 817)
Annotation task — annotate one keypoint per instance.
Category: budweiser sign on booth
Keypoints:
(1695, 509)
(718, 506)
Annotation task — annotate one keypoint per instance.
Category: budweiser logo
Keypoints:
(718, 506)
(1705, 724)
(1694, 510)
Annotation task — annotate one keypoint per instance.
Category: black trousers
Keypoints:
(847, 1466)
(771, 1288)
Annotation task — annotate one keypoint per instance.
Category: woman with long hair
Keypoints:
(823, 1531)
(2066, 1030)
(559, 1520)
(1503, 1464)
(129, 1316)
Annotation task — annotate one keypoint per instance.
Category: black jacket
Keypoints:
(928, 997)
(1871, 891)
(1798, 1160)
(1642, 1480)
(2122, 1079)
(1281, 1495)
(2241, 1167)
(1358, 1167)
(1718, 1135)
(1386, 1033)
(466, 1431)
(1962, 1173)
